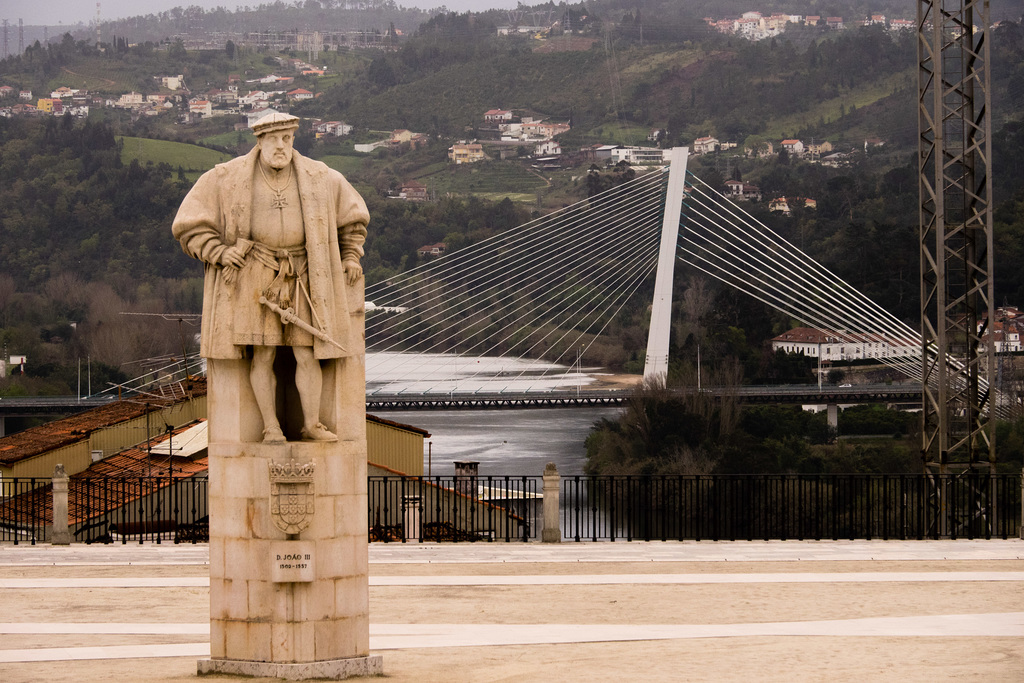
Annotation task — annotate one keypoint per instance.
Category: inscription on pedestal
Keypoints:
(293, 562)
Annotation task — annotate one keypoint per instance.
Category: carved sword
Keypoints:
(288, 316)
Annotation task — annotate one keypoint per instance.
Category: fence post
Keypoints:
(60, 534)
(552, 482)
(411, 510)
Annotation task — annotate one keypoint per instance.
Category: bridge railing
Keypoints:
(789, 506)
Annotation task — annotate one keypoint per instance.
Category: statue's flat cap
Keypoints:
(275, 121)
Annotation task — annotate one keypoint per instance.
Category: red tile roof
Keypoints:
(397, 425)
(108, 484)
(47, 437)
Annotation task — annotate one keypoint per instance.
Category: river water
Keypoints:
(446, 373)
(504, 441)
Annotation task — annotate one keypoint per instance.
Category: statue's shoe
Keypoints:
(273, 434)
(318, 433)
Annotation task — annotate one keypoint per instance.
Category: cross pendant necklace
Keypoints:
(279, 201)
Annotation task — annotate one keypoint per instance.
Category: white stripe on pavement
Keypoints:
(546, 579)
(635, 579)
(413, 636)
(136, 651)
(92, 628)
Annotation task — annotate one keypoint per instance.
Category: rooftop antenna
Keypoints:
(183, 319)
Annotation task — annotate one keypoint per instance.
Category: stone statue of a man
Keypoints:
(281, 237)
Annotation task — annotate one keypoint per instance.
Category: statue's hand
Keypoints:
(353, 271)
(233, 256)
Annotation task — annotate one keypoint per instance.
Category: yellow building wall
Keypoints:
(75, 458)
(394, 448)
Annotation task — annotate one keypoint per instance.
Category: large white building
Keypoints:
(639, 156)
(829, 345)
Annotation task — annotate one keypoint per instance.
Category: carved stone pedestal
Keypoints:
(288, 550)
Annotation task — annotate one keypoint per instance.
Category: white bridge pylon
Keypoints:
(656, 361)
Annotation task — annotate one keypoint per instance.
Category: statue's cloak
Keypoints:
(216, 213)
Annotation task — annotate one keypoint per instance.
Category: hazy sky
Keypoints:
(50, 12)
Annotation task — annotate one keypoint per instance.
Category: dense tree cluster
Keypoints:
(662, 432)
(84, 239)
(70, 206)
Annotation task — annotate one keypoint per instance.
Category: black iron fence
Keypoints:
(592, 508)
(790, 506)
(25, 509)
(454, 508)
(109, 510)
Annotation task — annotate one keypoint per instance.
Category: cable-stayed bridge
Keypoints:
(516, 313)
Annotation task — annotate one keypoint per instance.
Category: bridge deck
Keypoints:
(377, 400)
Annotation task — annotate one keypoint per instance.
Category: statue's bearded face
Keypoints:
(276, 147)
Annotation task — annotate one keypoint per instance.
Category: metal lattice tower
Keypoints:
(954, 102)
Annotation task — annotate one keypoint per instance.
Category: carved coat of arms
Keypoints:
(291, 495)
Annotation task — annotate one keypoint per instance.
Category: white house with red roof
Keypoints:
(793, 146)
(201, 107)
(705, 145)
(497, 115)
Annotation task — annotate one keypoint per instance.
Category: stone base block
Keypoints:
(551, 536)
(332, 669)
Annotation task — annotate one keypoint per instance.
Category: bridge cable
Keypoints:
(557, 246)
(556, 265)
(553, 252)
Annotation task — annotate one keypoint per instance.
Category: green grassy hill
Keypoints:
(192, 158)
(490, 179)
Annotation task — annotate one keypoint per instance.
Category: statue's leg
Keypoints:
(309, 383)
(264, 385)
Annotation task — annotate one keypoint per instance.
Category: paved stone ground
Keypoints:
(772, 611)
